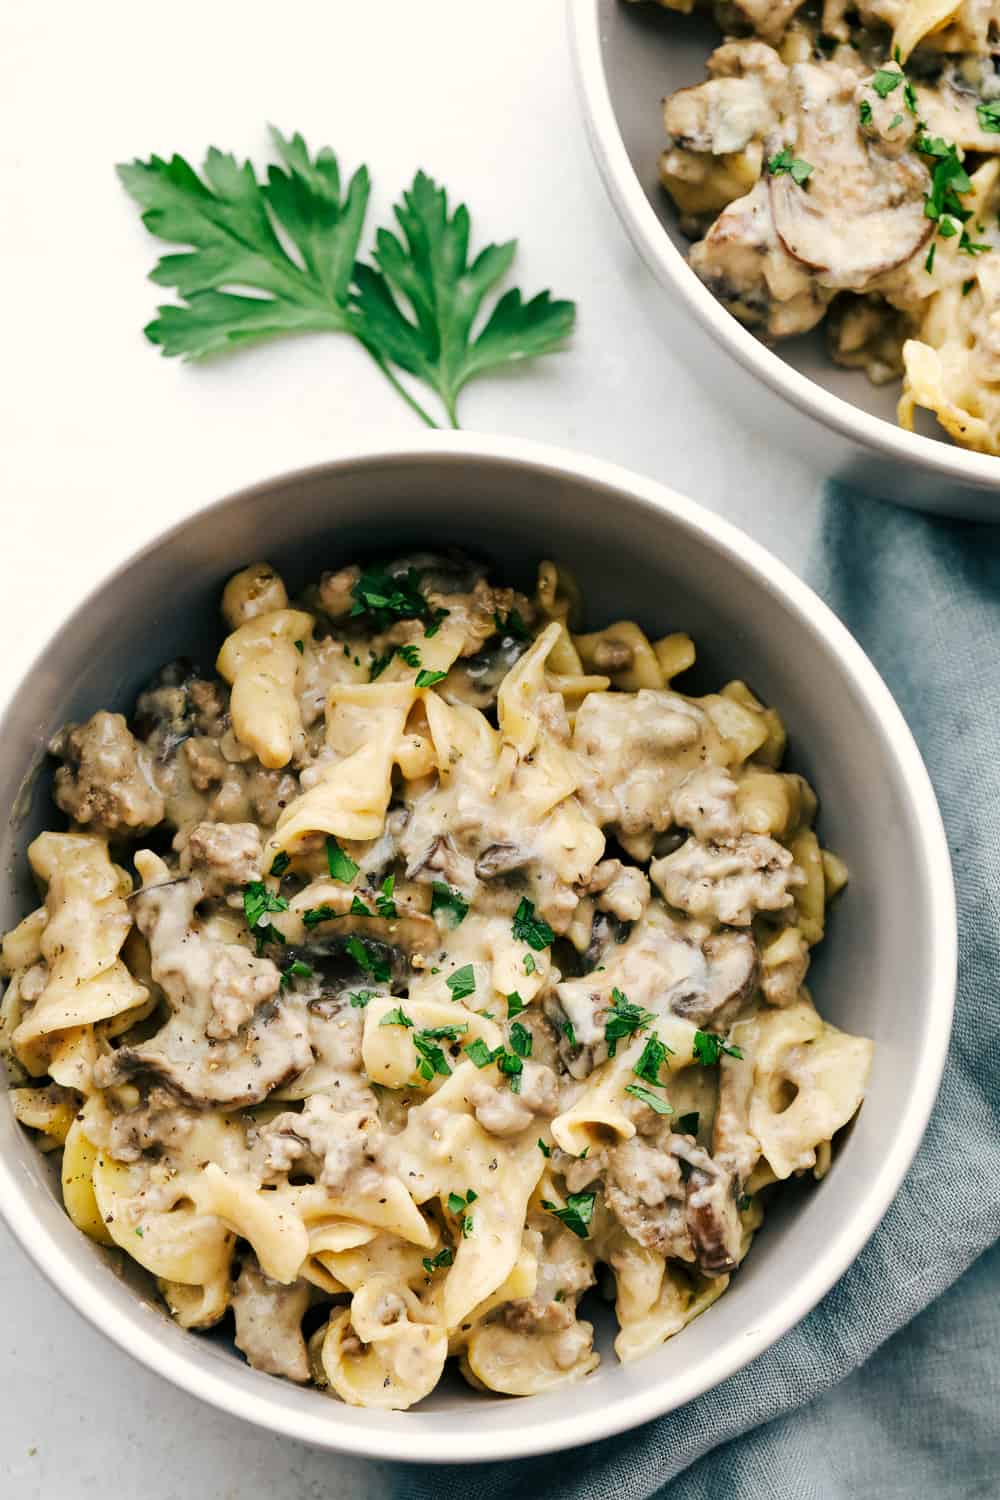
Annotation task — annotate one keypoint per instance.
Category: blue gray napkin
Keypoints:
(923, 1419)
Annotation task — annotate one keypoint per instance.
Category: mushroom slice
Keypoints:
(713, 1219)
(861, 210)
(730, 976)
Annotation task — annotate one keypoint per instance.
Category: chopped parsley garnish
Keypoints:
(647, 1097)
(512, 624)
(377, 967)
(458, 1205)
(386, 599)
(477, 1052)
(968, 285)
(300, 647)
(258, 903)
(949, 179)
(515, 1005)
(280, 863)
(432, 1058)
(910, 97)
(576, 1214)
(409, 654)
(885, 80)
(432, 1263)
(361, 998)
(796, 168)
(707, 1048)
(531, 929)
(744, 1202)
(313, 915)
(896, 120)
(543, 1148)
(384, 902)
(651, 1059)
(623, 1020)
(509, 1063)
(529, 964)
(989, 116)
(521, 1039)
(929, 262)
(397, 1017)
(865, 112)
(967, 246)
(688, 1124)
(359, 909)
(569, 1033)
(341, 867)
(296, 970)
(445, 898)
(462, 982)
(428, 679)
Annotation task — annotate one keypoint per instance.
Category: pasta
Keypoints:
(431, 960)
(841, 163)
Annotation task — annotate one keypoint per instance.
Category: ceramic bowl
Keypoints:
(628, 58)
(887, 969)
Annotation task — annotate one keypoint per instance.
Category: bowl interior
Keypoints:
(648, 53)
(879, 972)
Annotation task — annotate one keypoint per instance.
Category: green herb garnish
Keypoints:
(432, 1263)
(377, 967)
(707, 1048)
(445, 898)
(520, 1039)
(885, 80)
(989, 116)
(796, 168)
(340, 866)
(397, 1017)
(280, 863)
(515, 1005)
(623, 1020)
(232, 222)
(313, 915)
(576, 1214)
(384, 902)
(654, 1054)
(865, 112)
(462, 982)
(296, 970)
(531, 929)
(639, 1091)
(258, 903)
(432, 1058)
(426, 679)
(360, 998)
(543, 1148)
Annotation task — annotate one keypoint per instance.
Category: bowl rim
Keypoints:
(406, 1439)
(944, 460)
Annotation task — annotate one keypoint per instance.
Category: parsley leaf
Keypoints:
(569, 1033)
(513, 625)
(784, 161)
(529, 964)
(397, 1017)
(458, 1205)
(462, 982)
(652, 1058)
(543, 1148)
(313, 915)
(377, 967)
(359, 909)
(434, 1263)
(258, 902)
(427, 679)
(707, 1048)
(428, 266)
(989, 116)
(360, 998)
(885, 80)
(647, 1097)
(865, 112)
(446, 898)
(384, 902)
(521, 1039)
(432, 1058)
(231, 220)
(577, 1213)
(296, 970)
(623, 1019)
(280, 863)
(477, 1052)
(340, 866)
(515, 1005)
(385, 597)
(531, 929)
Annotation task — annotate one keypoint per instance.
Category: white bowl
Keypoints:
(628, 58)
(887, 969)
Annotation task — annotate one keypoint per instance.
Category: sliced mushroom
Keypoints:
(501, 859)
(269, 1322)
(861, 210)
(712, 1217)
(730, 977)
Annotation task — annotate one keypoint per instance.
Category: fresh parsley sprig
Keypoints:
(576, 1214)
(293, 238)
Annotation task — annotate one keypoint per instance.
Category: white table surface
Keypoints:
(102, 442)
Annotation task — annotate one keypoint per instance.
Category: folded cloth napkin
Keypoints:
(923, 597)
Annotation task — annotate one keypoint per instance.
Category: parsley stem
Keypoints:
(398, 386)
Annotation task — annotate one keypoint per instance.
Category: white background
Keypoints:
(103, 442)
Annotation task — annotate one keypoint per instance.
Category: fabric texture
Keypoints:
(923, 598)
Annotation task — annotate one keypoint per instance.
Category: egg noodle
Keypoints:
(424, 966)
